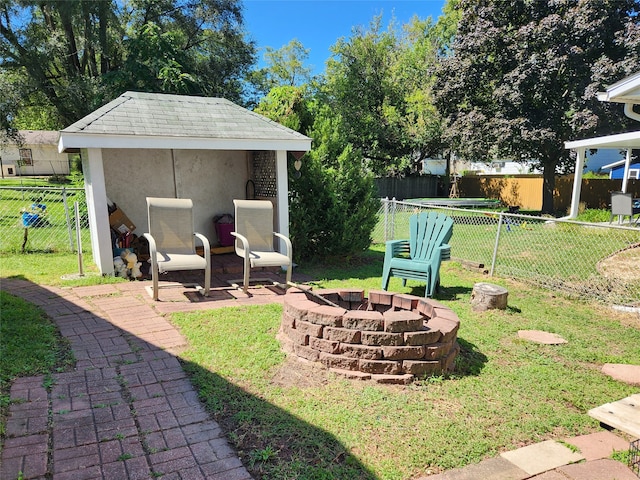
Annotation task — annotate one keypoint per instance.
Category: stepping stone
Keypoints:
(491, 469)
(623, 373)
(605, 469)
(596, 446)
(538, 336)
(541, 457)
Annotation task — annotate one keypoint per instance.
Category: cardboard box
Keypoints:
(120, 222)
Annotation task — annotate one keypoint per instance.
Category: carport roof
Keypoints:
(154, 120)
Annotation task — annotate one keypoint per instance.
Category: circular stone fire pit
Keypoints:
(389, 337)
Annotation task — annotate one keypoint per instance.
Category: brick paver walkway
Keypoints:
(128, 410)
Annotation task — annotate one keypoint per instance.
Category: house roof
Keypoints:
(154, 120)
(620, 140)
(39, 137)
(626, 90)
(619, 163)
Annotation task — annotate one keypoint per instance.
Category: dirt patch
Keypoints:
(624, 265)
(299, 373)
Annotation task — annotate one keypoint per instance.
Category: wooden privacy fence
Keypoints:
(526, 191)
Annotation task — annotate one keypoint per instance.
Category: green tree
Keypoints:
(378, 85)
(521, 78)
(285, 67)
(80, 54)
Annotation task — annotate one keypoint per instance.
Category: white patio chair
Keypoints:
(171, 239)
(254, 239)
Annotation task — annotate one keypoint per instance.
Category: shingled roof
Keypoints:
(154, 120)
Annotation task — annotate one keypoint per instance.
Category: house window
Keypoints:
(634, 174)
(25, 156)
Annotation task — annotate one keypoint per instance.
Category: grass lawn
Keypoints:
(290, 420)
(25, 324)
(294, 420)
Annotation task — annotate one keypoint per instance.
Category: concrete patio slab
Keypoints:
(605, 469)
(596, 446)
(491, 469)
(540, 457)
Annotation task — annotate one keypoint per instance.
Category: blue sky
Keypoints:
(318, 24)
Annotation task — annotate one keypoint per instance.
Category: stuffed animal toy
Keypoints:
(119, 267)
(132, 263)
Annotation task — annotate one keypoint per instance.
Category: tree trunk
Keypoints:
(548, 185)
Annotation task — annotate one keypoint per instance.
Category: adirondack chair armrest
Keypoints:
(445, 252)
(396, 248)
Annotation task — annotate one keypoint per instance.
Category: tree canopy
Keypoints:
(77, 55)
(521, 78)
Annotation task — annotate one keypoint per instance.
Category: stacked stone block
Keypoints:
(389, 337)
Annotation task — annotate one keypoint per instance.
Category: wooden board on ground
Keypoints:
(623, 415)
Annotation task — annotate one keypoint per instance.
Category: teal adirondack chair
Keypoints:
(419, 257)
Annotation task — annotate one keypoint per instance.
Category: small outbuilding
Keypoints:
(157, 145)
(617, 170)
(36, 153)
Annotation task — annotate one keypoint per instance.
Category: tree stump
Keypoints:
(486, 296)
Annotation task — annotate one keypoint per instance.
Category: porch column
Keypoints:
(282, 183)
(627, 164)
(577, 183)
(94, 186)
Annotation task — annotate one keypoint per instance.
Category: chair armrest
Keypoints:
(396, 247)
(152, 244)
(205, 242)
(243, 239)
(287, 242)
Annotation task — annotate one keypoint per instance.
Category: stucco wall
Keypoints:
(212, 179)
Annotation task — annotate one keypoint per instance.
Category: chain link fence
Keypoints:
(42, 219)
(598, 261)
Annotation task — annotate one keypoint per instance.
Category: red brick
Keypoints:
(338, 361)
(298, 307)
(308, 328)
(421, 368)
(393, 379)
(331, 294)
(344, 335)
(381, 339)
(448, 362)
(437, 350)
(382, 367)
(324, 345)
(448, 328)
(402, 321)
(288, 320)
(380, 297)
(326, 315)
(363, 320)
(352, 294)
(405, 302)
(306, 353)
(296, 336)
(352, 374)
(445, 313)
(361, 351)
(426, 336)
(403, 353)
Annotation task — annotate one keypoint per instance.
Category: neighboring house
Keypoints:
(617, 170)
(36, 155)
(156, 145)
(494, 167)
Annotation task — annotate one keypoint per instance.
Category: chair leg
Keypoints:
(245, 281)
(207, 280)
(154, 277)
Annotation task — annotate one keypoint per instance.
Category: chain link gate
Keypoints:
(41, 219)
(597, 261)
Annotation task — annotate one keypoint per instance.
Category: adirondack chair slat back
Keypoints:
(428, 231)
